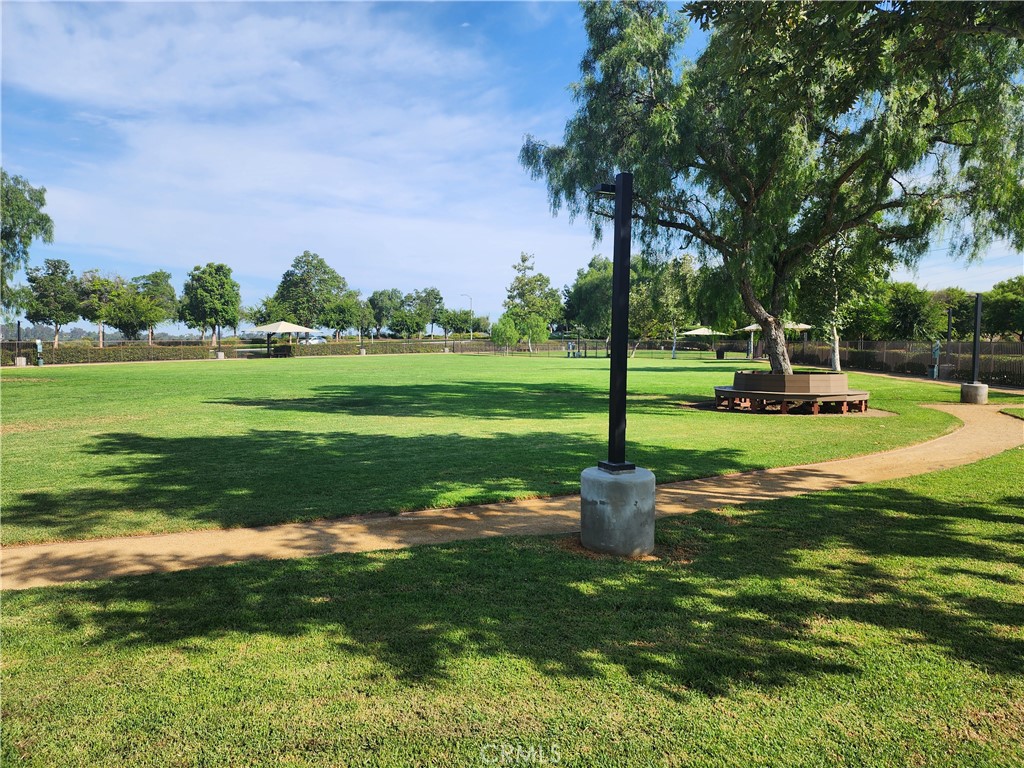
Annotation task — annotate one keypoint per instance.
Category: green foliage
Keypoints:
(913, 314)
(962, 304)
(157, 287)
(588, 301)
(383, 304)
(407, 321)
(94, 292)
(21, 221)
(531, 301)
(268, 310)
(505, 333)
(342, 312)
(797, 124)
(210, 298)
(131, 311)
(308, 289)
(1003, 308)
(54, 295)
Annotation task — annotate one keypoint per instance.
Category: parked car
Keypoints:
(313, 340)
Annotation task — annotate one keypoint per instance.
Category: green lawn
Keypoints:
(109, 450)
(876, 626)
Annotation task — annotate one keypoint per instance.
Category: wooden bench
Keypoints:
(757, 401)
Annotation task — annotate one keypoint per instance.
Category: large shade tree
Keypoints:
(21, 222)
(210, 298)
(53, 296)
(162, 305)
(799, 123)
(307, 289)
(95, 291)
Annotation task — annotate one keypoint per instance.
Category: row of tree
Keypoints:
(314, 295)
(55, 296)
(669, 296)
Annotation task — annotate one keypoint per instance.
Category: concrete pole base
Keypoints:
(220, 355)
(20, 362)
(617, 511)
(976, 394)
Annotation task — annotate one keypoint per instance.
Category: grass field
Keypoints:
(108, 450)
(875, 626)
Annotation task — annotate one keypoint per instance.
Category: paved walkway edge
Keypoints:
(984, 432)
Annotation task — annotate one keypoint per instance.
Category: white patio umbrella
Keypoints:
(704, 332)
(281, 327)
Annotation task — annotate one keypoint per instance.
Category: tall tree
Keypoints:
(384, 304)
(962, 305)
(588, 301)
(341, 312)
(798, 122)
(1003, 308)
(21, 221)
(94, 292)
(429, 305)
(913, 314)
(211, 298)
(131, 311)
(505, 333)
(308, 288)
(156, 286)
(530, 296)
(838, 278)
(53, 296)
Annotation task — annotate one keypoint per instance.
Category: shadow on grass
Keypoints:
(469, 399)
(273, 476)
(734, 600)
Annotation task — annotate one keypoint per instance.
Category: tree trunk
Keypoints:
(773, 335)
(99, 327)
(775, 345)
(151, 335)
(56, 336)
(835, 349)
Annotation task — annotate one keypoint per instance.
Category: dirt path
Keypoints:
(985, 432)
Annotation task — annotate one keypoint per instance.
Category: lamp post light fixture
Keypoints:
(975, 392)
(622, 191)
(616, 496)
(471, 318)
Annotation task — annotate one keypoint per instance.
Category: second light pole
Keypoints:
(616, 496)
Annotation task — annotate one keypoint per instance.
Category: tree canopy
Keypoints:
(308, 289)
(211, 298)
(53, 296)
(21, 222)
(799, 123)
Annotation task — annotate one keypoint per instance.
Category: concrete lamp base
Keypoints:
(976, 394)
(617, 511)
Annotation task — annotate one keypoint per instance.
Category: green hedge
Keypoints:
(119, 354)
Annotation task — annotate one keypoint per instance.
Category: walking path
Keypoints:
(985, 432)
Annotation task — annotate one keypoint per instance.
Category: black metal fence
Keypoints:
(1001, 363)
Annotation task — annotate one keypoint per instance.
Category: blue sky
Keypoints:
(382, 136)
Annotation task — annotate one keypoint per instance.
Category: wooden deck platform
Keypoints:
(756, 400)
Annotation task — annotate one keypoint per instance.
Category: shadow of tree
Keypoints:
(734, 600)
(264, 477)
(471, 399)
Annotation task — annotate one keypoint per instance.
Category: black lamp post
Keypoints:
(622, 190)
(976, 356)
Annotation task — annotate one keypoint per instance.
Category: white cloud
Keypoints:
(247, 134)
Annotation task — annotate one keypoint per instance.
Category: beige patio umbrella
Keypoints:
(702, 331)
(281, 327)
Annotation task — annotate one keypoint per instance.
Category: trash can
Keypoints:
(720, 354)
